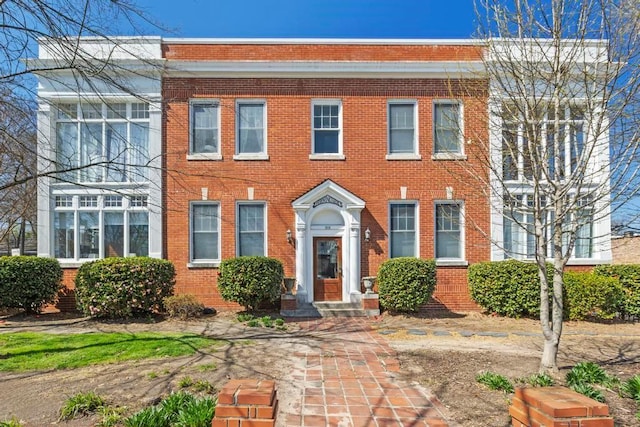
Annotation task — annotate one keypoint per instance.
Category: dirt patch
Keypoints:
(448, 364)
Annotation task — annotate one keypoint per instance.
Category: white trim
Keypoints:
(460, 104)
(324, 156)
(204, 262)
(251, 156)
(461, 260)
(416, 214)
(265, 221)
(310, 69)
(416, 133)
(216, 155)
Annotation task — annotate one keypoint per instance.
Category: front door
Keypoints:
(327, 269)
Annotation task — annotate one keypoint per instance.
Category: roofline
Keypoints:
(321, 41)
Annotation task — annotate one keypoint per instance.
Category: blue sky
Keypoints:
(313, 18)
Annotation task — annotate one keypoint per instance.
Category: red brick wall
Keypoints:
(289, 173)
(320, 52)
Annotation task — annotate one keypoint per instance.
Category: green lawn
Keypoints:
(26, 351)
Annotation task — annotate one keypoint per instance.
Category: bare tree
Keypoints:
(563, 134)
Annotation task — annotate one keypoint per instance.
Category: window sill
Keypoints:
(449, 156)
(204, 156)
(256, 156)
(212, 264)
(586, 261)
(328, 156)
(452, 263)
(73, 264)
(404, 156)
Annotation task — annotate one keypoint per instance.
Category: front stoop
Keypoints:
(557, 407)
(248, 403)
(367, 306)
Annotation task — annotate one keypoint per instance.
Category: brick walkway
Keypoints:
(348, 378)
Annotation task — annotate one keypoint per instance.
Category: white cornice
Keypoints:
(328, 41)
(293, 69)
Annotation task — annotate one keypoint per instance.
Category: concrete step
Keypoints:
(330, 309)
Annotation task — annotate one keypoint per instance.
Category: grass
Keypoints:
(185, 382)
(207, 367)
(27, 351)
(495, 381)
(13, 422)
(81, 404)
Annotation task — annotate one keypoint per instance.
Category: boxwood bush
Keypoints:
(404, 284)
(123, 287)
(508, 288)
(588, 295)
(629, 276)
(250, 280)
(29, 282)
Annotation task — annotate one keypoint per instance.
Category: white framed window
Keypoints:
(518, 228)
(251, 129)
(251, 229)
(326, 129)
(403, 229)
(516, 157)
(102, 142)
(204, 232)
(449, 230)
(99, 226)
(447, 129)
(402, 122)
(204, 129)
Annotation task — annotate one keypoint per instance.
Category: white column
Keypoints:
(301, 255)
(46, 157)
(354, 259)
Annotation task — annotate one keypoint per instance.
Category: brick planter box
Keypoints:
(246, 403)
(557, 407)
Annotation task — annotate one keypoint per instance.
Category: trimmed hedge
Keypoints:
(251, 280)
(405, 284)
(629, 276)
(123, 287)
(588, 295)
(509, 288)
(183, 306)
(29, 282)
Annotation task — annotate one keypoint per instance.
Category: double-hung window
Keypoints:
(250, 226)
(326, 128)
(402, 119)
(449, 231)
(204, 131)
(205, 232)
(447, 129)
(251, 129)
(402, 230)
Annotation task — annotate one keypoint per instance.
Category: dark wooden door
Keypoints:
(327, 269)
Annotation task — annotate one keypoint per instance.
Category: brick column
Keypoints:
(246, 403)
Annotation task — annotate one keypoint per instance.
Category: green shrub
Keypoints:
(537, 380)
(495, 381)
(404, 284)
(251, 280)
(629, 276)
(631, 388)
(28, 282)
(123, 287)
(179, 409)
(589, 391)
(13, 422)
(509, 288)
(591, 295)
(183, 306)
(81, 404)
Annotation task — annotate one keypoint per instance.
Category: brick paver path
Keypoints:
(348, 378)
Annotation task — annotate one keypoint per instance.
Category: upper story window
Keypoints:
(92, 226)
(403, 230)
(402, 128)
(251, 129)
(447, 128)
(98, 142)
(531, 141)
(205, 128)
(449, 241)
(326, 127)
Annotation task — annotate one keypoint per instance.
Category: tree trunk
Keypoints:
(549, 363)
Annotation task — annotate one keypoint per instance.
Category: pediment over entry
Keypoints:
(328, 192)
